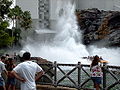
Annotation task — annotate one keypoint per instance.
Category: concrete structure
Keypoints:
(44, 13)
(100, 4)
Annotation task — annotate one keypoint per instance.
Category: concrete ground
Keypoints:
(49, 87)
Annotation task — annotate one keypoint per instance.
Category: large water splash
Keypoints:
(64, 45)
(110, 54)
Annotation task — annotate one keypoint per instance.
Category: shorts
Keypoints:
(2, 82)
(11, 81)
(97, 80)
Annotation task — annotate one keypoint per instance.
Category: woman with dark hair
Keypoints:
(11, 79)
(96, 72)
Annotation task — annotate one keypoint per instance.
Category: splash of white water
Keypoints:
(109, 54)
(66, 46)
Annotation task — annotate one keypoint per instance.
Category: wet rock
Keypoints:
(99, 25)
(49, 72)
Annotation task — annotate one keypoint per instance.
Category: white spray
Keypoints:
(66, 46)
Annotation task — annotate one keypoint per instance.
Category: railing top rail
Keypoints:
(116, 67)
(83, 65)
(61, 64)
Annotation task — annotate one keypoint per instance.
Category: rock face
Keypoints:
(49, 73)
(100, 26)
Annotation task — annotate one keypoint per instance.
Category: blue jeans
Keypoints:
(2, 82)
(97, 80)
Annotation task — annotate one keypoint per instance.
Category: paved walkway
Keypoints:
(49, 87)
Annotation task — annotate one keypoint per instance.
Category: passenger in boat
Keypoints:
(27, 72)
(96, 72)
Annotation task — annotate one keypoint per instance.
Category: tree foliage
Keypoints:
(26, 20)
(22, 18)
(5, 39)
(18, 17)
(4, 7)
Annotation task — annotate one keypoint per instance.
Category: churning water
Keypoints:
(64, 44)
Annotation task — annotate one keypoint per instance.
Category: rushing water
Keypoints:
(64, 43)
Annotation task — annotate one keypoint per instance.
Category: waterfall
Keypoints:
(64, 44)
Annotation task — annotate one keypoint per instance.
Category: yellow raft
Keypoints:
(103, 61)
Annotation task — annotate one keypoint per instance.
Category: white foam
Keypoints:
(66, 46)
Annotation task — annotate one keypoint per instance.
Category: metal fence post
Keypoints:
(79, 75)
(55, 74)
(104, 76)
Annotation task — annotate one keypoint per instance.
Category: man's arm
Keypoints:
(18, 77)
(39, 74)
(6, 72)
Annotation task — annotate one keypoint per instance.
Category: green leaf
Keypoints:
(5, 39)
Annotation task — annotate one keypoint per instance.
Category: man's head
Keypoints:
(3, 58)
(10, 60)
(26, 56)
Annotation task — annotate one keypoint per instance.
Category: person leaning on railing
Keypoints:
(96, 72)
(26, 72)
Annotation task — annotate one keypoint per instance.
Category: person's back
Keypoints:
(96, 72)
(1, 67)
(26, 72)
(28, 69)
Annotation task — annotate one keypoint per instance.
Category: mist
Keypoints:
(63, 44)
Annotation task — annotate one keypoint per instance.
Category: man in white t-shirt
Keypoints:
(26, 73)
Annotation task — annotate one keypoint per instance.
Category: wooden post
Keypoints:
(79, 75)
(55, 74)
(104, 75)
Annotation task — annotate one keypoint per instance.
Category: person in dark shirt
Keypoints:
(11, 79)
